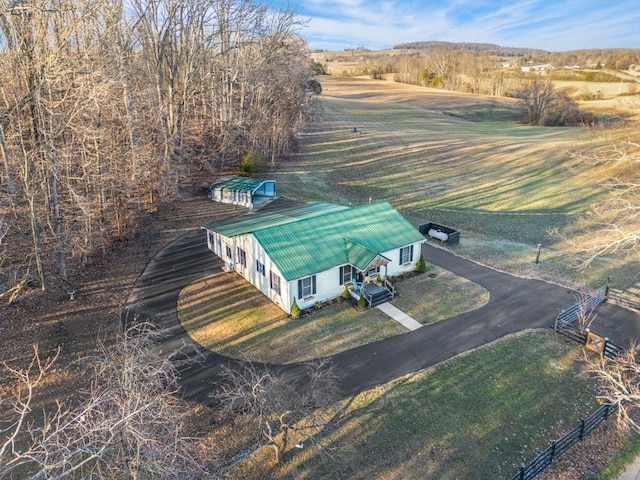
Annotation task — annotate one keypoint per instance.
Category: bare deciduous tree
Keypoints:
(13, 426)
(131, 423)
(619, 380)
(537, 96)
(616, 220)
(586, 313)
(274, 406)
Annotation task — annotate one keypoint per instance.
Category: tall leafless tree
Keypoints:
(537, 96)
(279, 409)
(130, 423)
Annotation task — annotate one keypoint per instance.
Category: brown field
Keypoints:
(460, 160)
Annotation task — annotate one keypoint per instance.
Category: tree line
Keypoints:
(617, 58)
(107, 106)
(483, 68)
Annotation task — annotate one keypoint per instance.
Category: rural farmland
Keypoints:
(460, 160)
(464, 161)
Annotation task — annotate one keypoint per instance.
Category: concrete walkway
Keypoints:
(399, 316)
(632, 471)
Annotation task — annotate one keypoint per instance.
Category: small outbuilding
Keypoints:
(245, 191)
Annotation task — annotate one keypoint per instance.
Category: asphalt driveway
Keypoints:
(515, 304)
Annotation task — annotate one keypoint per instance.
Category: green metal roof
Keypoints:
(360, 256)
(254, 222)
(305, 240)
(238, 184)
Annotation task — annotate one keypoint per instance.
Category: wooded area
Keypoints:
(107, 107)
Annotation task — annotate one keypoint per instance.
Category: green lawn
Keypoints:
(228, 315)
(437, 295)
(479, 415)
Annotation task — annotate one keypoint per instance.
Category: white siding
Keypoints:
(327, 287)
(254, 251)
(394, 268)
(327, 282)
(235, 198)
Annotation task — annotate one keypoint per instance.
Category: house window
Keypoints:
(306, 287)
(274, 281)
(229, 253)
(211, 239)
(406, 255)
(260, 267)
(242, 256)
(346, 274)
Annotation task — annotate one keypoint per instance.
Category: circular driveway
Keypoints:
(515, 304)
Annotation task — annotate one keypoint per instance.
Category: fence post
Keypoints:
(522, 468)
(553, 452)
(604, 347)
(581, 436)
(607, 411)
(555, 324)
(586, 336)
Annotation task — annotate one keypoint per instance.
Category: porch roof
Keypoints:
(360, 256)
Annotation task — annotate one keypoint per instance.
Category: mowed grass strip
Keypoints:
(479, 415)
(226, 314)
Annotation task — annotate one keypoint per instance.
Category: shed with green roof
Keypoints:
(310, 252)
(245, 191)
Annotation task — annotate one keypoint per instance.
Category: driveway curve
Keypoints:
(515, 304)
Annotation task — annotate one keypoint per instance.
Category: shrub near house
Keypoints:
(310, 252)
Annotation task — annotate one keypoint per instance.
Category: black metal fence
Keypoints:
(564, 324)
(560, 446)
(610, 350)
(583, 307)
(626, 301)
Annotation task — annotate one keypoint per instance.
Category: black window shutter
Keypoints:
(313, 280)
(341, 275)
(411, 256)
(299, 289)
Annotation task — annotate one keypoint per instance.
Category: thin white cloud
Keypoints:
(547, 24)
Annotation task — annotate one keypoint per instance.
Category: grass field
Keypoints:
(476, 416)
(459, 160)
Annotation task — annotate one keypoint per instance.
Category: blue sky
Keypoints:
(546, 24)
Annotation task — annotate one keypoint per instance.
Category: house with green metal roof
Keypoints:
(310, 252)
(245, 191)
